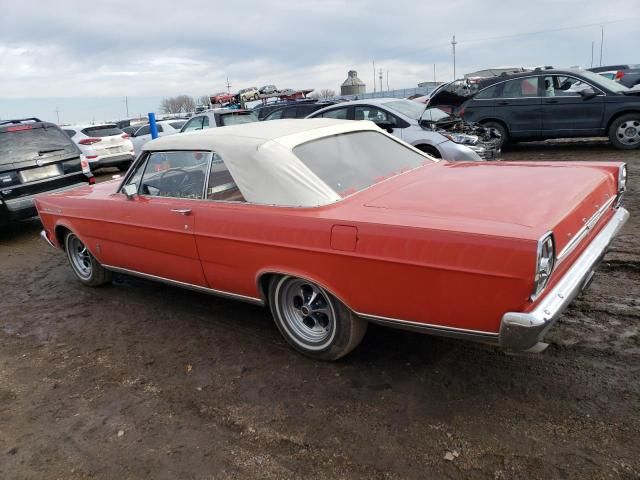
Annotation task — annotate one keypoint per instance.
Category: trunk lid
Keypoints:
(505, 199)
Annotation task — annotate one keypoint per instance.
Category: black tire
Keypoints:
(86, 268)
(624, 132)
(500, 127)
(429, 149)
(333, 334)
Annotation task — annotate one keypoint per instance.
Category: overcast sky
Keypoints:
(99, 51)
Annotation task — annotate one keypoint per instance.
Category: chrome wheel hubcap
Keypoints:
(629, 132)
(307, 312)
(80, 257)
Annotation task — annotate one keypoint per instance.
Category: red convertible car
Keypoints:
(333, 224)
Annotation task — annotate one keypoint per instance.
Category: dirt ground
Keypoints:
(141, 380)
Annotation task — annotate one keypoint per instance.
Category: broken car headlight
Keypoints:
(545, 261)
(462, 138)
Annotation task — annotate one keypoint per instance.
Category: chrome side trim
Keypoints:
(190, 286)
(580, 234)
(439, 330)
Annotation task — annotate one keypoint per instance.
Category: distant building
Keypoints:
(353, 85)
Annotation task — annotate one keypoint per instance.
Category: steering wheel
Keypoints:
(176, 184)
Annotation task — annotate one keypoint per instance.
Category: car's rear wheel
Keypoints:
(624, 131)
(501, 128)
(313, 321)
(429, 149)
(87, 269)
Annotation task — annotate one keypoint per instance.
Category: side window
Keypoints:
(489, 92)
(290, 112)
(193, 124)
(559, 86)
(70, 133)
(174, 174)
(137, 173)
(160, 129)
(143, 131)
(520, 88)
(222, 186)
(373, 114)
(275, 115)
(339, 113)
(205, 122)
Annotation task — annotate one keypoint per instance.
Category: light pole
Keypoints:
(453, 44)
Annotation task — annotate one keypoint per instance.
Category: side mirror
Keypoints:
(130, 190)
(587, 93)
(388, 126)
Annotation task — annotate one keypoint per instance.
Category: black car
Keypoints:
(36, 157)
(262, 111)
(544, 104)
(296, 110)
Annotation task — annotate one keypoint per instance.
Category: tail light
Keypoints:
(619, 75)
(125, 135)
(461, 112)
(92, 180)
(19, 128)
(84, 163)
(89, 141)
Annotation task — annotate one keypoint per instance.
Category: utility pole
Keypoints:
(58, 114)
(387, 80)
(601, 42)
(126, 105)
(374, 76)
(228, 86)
(380, 77)
(592, 45)
(453, 44)
(434, 73)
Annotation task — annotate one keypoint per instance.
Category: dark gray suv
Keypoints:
(36, 157)
(544, 104)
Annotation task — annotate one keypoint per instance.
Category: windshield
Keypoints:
(353, 161)
(604, 82)
(26, 143)
(408, 108)
(238, 118)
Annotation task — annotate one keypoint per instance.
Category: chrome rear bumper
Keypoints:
(524, 331)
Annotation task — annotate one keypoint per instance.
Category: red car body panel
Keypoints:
(448, 244)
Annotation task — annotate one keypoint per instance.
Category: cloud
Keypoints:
(117, 48)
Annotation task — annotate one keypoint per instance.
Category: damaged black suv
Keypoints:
(547, 103)
(35, 157)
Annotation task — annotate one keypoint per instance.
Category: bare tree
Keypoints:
(203, 100)
(323, 94)
(179, 104)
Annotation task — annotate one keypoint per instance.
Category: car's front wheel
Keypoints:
(313, 321)
(87, 269)
(624, 132)
(502, 130)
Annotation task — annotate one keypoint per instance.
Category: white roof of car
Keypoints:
(260, 157)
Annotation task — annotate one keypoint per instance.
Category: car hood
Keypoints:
(452, 94)
(504, 199)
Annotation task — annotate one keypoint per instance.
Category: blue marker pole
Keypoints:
(152, 125)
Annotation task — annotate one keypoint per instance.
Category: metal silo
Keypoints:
(352, 85)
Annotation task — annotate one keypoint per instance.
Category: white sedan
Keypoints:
(165, 127)
(102, 145)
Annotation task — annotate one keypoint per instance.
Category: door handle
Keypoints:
(551, 101)
(503, 103)
(182, 211)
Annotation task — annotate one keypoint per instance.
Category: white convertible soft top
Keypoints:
(260, 159)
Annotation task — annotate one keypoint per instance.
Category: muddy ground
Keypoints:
(142, 380)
